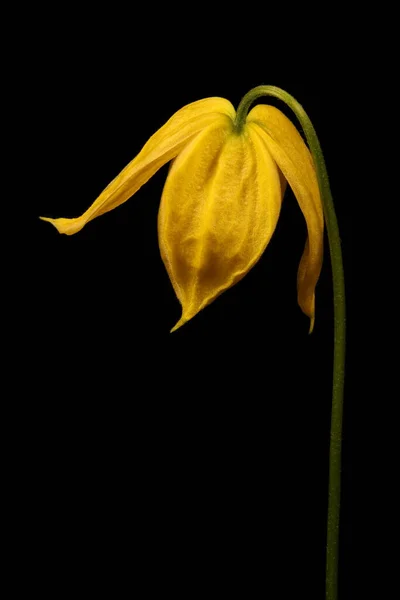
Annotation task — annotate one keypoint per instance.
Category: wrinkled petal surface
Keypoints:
(291, 154)
(218, 211)
(163, 146)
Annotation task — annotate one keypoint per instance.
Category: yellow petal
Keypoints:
(163, 146)
(218, 211)
(295, 161)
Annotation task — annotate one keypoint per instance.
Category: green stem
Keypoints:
(332, 555)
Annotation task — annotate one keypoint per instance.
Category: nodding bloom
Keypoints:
(222, 198)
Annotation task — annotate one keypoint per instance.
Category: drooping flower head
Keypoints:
(222, 198)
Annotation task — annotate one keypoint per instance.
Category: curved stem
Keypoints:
(332, 556)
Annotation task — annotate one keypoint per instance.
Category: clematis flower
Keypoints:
(222, 198)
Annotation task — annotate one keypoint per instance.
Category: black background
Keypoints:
(191, 463)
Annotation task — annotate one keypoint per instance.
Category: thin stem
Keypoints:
(332, 555)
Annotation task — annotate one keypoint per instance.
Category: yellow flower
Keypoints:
(222, 198)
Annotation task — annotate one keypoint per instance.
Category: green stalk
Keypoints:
(332, 551)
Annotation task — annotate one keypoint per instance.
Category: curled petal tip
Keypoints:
(46, 219)
(67, 226)
(312, 321)
(179, 324)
